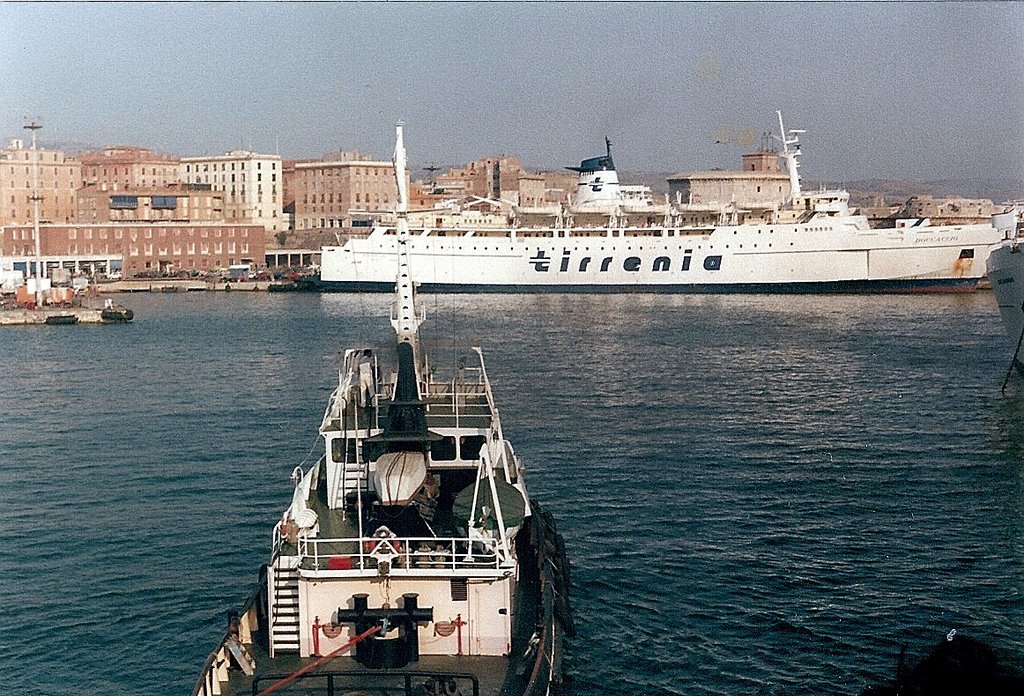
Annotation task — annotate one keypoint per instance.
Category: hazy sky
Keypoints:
(915, 90)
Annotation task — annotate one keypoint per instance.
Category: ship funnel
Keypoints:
(598, 185)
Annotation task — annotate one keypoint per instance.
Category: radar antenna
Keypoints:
(791, 156)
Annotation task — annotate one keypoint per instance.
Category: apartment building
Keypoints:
(251, 183)
(127, 168)
(170, 203)
(489, 177)
(333, 194)
(59, 177)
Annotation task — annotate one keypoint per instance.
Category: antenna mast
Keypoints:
(34, 126)
(405, 318)
(791, 155)
(433, 180)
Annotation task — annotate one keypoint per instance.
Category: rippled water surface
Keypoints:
(760, 494)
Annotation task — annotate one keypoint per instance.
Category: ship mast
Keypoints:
(35, 213)
(404, 318)
(791, 155)
(406, 427)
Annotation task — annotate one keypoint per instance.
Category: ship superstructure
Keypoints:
(411, 553)
(607, 241)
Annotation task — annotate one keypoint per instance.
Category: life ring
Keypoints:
(374, 546)
(331, 630)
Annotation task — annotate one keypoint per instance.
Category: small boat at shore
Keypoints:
(116, 314)
(410, 559)
(61, 319)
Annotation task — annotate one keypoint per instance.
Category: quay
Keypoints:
(178, 285)
(54, 316)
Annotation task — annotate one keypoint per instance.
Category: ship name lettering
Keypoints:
(631, 264)
(540, 262)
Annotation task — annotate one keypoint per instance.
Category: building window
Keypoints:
(165, 202)
(124, 202)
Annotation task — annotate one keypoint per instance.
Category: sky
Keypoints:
(883, 90)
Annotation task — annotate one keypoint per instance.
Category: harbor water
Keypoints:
(759, 494)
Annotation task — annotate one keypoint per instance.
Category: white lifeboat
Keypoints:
(399, 476)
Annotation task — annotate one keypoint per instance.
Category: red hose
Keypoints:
(316, 663)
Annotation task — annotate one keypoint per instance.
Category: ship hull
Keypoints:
(831, 258)
(1006, 272)
(942, 285)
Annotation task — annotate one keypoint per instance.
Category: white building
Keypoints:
(251, 183)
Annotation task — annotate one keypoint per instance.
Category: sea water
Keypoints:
(759, 494)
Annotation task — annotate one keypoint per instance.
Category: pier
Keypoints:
(178, 285)
(55, 316)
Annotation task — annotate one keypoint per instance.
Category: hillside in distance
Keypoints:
(889, 191)
(876, 191)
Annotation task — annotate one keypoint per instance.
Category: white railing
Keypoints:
(403, 555)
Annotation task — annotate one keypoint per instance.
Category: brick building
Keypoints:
(489, 177)
(333, 194)
(59, 177)
(126, 168)
(761, 183)
(144, 247)
(172, 203)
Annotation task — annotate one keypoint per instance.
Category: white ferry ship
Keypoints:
(410, 559)
(1006, 273)
(610, 239)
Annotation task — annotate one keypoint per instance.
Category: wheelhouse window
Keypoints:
(470, 446)
(443, 450)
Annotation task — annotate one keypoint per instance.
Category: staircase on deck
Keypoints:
(284, 608)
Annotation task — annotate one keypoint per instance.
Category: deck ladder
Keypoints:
(284, 610)
(353, 478)
(353, 474)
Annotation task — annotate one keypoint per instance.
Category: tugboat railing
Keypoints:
(332, 682)
(402, 555)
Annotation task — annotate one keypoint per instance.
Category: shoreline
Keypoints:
(182, 285)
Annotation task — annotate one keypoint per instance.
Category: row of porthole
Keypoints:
(587, 249)
(665, 248)
(759, 231)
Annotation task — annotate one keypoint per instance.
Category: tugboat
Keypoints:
(411, 559)
(115, 313)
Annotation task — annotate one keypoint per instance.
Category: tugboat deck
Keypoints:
(462, 406)
(343, 675)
